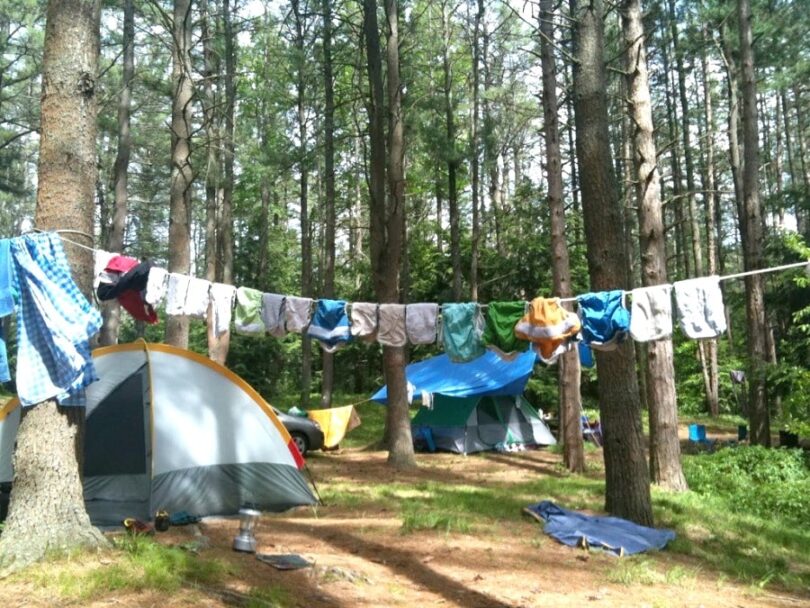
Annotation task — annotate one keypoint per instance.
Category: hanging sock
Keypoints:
(421, 322)
(156, 285)
(222, 297)
(392, 325)
(330, 325)
(248, 317)
(700, 307)
(273, 314)
(54, 325)
(296, 313)
(462, 326)
(499, 331)
(364, 321)
(651, 313)
(605, 320)
(551, 328)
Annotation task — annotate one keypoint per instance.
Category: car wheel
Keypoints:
(301, 442)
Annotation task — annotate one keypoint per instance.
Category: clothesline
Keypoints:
(737, 275)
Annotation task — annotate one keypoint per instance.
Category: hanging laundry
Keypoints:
(100, 260)
(124, 279)
(296, 313)
(392, 325)
(421, 322)
(604, 319)
(156, 285)
(6, 290)
(462, 326)
(651, 313)
(273, 314)
(585, 355)
(54, 325)
(5, 373)
(222, 297)
(176, 291)
(551, 328)
(330, 325)
(248, 315)
(499, 331)
(364, 321)
(700, 307)
(198, 297)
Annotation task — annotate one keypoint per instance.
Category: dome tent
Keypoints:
(169, 429)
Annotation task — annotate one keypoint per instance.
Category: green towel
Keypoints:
(247, 318)
(499, 331)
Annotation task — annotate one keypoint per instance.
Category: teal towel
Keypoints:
(462, 327)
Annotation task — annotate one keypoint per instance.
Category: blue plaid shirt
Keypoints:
(54, 325)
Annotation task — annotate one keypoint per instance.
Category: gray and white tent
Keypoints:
(169, 429)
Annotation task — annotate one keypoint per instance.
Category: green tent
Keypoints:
(480, 422)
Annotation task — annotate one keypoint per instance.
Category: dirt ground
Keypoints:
(362, 560)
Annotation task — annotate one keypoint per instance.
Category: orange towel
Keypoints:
(549, 326)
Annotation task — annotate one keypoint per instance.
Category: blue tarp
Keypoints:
(489, 374)
(613, 534)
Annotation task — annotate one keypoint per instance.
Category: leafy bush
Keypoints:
(755, 480)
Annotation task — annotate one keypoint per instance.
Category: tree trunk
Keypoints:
(111, 310)
(475, 183)
(46, 508)
(733, 125)
(751, 220)
(182, 175)
(569, 370)
(665, 447)
(213, 156)
(328, 359)
(452, 157)
(802, 223)
(627, 481)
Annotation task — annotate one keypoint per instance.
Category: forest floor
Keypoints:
(364, 553)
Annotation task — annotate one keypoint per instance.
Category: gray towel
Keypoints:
(392, 325)
(420, 322)
(363, 320)
(297, 312)
(273, 314)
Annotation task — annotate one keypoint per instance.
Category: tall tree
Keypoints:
(46, 508)
(665, 447)
(627, 481)
(182, 174)
(475, 164)
(569, 369)
(751, 228)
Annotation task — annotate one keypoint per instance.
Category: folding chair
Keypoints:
(592, 430)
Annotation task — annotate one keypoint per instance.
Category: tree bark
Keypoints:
(569, 370)
(627, 481)
(452, 157)
(751, 219)
(46, 509)
(665, 447)
(475, 166)
(111, 310)
(182, 174)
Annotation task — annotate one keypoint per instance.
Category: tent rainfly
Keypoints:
(169, 429)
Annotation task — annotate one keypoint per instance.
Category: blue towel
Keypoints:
(462, 330)
(54, 325)
(5, 375)
(613, 534)
(6, 298)
(585, 355)
(330, 325)
(605, 320)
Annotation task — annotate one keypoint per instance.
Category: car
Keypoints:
(306, 433)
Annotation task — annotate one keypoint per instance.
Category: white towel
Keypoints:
(392, 325)
(651, 313)
(363, 320)
(273, 314)
(297, 312)
(222, 296)
(700, 307)
(420, 322)
(176, 293)
(197, 298)
(102, 258)
(156, 285)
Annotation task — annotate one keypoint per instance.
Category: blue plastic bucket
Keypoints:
(697, 432)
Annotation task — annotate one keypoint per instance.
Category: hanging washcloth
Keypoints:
(54, 325)
(499, 331)
(156, 285)
(330, 325)
(700, 307)
(100, 261)
(198, 297)
(364, 321)
(604, 319)
(421, 321)
(222, 297)
(124, 279)
(550, 327)
(176, 291)
(392, 325)
(462, 326)
(248, 314)
(273, 314)
(296, 313)
(651, 313)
